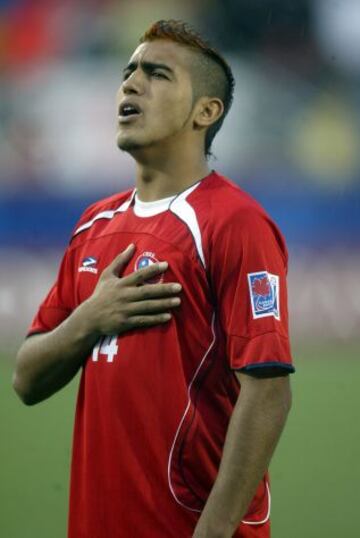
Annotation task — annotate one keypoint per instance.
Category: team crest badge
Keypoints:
(264, 294)
(145, 260)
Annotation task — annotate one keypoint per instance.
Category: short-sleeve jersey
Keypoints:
(154, 404)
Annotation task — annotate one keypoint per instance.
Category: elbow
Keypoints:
(21, 382)
(24, 392)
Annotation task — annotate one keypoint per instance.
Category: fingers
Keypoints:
(117, 265)
(152, 291)
(139, 277)
(153, 307)
(136, 278)
(130, 302)
(139, 322)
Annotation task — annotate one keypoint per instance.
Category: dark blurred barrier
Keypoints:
(310, 218)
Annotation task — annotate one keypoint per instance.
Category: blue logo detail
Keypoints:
(145, 260)
(264, 294)
(89, 261)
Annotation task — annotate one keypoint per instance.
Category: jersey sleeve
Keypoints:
(58, 304)
(61, 299)
(248, 267)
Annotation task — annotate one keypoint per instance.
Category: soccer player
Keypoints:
(171, 298)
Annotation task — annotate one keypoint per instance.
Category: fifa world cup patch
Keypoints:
(264, 294)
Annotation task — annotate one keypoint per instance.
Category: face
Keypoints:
(155, 99)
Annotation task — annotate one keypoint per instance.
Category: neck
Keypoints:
(163, 173)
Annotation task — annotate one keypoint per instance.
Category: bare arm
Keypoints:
(46, 362)
(254, 430)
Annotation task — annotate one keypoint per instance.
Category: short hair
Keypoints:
(211, 74)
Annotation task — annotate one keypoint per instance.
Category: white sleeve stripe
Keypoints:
(181, 207)
(105, 215)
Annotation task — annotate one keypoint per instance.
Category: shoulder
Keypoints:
(227, 213)
(223, 199)
(101, 208)
(220, 203)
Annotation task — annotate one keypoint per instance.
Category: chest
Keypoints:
(161, 238)
(189, 332)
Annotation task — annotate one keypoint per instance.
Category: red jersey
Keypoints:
(154, 404)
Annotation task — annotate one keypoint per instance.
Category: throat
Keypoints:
(153, 185)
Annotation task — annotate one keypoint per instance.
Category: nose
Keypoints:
(134, 84)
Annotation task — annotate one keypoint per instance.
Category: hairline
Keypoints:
(196, 52)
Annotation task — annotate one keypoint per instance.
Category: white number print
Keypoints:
(107, 345)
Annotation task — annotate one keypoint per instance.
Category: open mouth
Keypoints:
(129, 110)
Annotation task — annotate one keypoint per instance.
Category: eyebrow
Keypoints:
(148, 66)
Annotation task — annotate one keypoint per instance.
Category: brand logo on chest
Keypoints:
(88, 265)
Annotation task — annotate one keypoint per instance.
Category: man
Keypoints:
(182, 337)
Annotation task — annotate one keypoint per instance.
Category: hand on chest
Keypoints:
(95, 254)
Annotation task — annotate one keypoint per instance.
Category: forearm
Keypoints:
(47, 362)
(254, 430)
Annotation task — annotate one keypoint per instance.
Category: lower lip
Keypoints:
(129, 119)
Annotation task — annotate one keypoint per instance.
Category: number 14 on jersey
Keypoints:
(106, 346)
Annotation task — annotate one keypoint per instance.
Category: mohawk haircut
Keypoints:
(211, 74)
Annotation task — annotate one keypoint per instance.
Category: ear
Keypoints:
(207, 111)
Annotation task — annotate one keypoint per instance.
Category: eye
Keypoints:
(158, 74)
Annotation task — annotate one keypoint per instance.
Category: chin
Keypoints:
(128, 144)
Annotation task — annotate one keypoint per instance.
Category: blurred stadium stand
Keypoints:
(292, 138)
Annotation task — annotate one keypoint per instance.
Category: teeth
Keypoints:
(127, 110)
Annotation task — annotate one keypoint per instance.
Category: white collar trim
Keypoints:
(149, 209)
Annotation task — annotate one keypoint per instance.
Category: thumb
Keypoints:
(116, 267)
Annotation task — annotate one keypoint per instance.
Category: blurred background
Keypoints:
(292, 139)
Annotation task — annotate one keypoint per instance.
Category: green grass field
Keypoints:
(315, 472)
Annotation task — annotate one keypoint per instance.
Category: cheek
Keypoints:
(175, 109)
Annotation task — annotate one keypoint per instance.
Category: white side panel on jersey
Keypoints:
(105, 215)
(247, 522)
(184, 416)
(181, 207)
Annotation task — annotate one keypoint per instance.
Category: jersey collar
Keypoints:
(149, 209)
